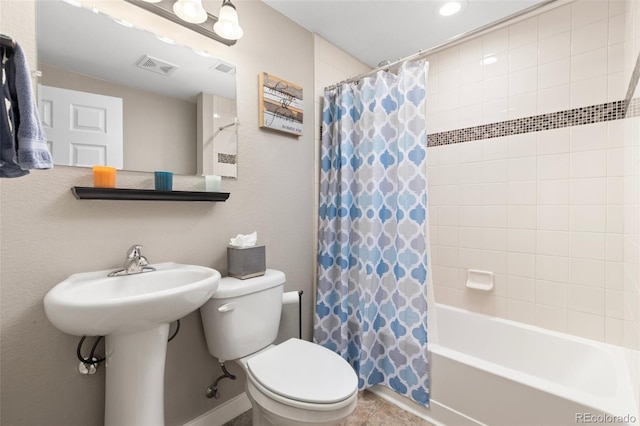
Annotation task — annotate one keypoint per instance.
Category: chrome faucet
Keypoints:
(135, 263)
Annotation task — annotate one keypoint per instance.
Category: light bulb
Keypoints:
(190, 11)
(228, 26)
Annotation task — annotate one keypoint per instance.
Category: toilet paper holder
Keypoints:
(295, 297)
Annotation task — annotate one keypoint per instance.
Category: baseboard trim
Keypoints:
(222, 414)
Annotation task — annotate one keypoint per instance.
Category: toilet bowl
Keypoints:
(298, 382)
(293, 383)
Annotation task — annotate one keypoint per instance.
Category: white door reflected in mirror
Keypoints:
(89, 127)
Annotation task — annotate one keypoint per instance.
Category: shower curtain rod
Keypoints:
(423, 53)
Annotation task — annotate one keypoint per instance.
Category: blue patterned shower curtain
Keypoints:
(372, 261)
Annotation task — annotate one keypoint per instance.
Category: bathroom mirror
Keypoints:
(127, 98)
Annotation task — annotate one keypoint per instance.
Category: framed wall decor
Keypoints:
(281, 105)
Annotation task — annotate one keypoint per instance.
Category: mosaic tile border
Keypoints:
(573, 117)
(227, 158)
(629, 107)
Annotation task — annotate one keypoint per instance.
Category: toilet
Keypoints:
(293, 383)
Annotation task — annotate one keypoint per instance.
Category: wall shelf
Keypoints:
(92, 193)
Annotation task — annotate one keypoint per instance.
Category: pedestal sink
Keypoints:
(133, 312)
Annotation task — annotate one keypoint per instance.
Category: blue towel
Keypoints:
(8, 155)
(27, 148)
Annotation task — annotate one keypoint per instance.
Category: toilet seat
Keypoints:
(303, 374)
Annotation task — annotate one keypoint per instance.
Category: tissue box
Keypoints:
(246, 262)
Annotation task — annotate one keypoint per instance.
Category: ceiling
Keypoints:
(378, 30)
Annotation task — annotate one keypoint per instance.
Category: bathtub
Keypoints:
(490, 371)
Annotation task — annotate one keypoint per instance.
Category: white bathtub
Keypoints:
(490, 371)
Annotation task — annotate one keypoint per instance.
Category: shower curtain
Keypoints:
(372, 253)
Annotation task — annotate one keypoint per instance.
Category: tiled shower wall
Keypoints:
(546, 211)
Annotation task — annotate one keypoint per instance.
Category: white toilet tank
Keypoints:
(243, 316)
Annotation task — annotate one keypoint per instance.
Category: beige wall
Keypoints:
(159, 131)
(47, 235)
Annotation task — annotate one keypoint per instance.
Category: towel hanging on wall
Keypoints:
(23, 143)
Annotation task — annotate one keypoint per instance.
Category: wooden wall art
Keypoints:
(281, 105)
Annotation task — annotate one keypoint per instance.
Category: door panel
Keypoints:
(93, 135)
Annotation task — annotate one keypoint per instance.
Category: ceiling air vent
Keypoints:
(224, 67)
(156, 65)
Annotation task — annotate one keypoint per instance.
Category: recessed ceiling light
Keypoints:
(165, 39)
(123, 22)
(202, 53)
(450, 8)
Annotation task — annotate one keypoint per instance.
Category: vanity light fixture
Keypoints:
(190, 11)
(228, 26)
(168, 9)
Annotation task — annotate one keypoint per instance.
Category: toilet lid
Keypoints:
(304, 371)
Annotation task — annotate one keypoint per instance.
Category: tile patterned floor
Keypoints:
(371, 411)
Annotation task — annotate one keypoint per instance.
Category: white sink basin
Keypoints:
(133, 312)
(94, 304)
